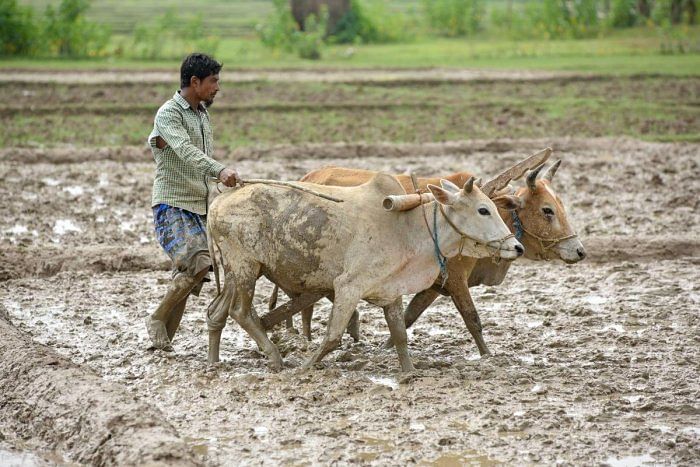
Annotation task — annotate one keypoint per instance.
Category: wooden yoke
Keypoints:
(515, 172)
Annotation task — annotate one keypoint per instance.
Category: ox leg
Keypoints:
(157, 323)
(343, 307)
(217, 313)
(465, 305)
(420, 302)
(249, 321)
(306, 315)
(354, 326)
(397, 327)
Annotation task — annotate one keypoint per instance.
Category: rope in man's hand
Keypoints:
(294, 185)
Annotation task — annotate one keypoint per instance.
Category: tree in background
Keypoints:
(454, 18)
(18, 29)
(62, 32)
(69, 34)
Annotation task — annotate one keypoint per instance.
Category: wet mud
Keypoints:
(593, 363)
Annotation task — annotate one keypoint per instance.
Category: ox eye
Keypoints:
(548, 211)
(484, 212)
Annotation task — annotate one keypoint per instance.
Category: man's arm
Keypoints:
(170, 129)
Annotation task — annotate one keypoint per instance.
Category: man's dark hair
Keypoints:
(199, 65)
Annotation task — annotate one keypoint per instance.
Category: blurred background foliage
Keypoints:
(158, 30)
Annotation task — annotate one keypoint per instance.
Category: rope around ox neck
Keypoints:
(520, 232)
(494, 250)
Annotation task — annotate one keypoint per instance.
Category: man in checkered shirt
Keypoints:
(182, 142)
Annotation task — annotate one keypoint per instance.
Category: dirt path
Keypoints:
(444, 75)
(594, 363)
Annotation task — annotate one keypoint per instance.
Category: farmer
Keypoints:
(183, 145)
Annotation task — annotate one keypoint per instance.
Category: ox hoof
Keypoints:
(158, 334)
(276, 366)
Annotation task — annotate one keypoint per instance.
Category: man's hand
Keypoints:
(230, 177)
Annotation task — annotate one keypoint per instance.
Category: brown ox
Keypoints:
(543, 229)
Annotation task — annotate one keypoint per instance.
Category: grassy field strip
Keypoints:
(436, 75)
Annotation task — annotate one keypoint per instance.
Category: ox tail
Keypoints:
(212, 255)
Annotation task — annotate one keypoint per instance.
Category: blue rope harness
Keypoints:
(441, 259)
(518, 225)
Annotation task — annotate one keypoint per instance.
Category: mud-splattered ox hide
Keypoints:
(540, 222)
(352, 250)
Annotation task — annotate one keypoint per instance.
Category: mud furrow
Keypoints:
(46, 261)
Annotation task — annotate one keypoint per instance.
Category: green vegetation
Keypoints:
(657, 109)
(60, 32)
(625, 53)
(144, 30)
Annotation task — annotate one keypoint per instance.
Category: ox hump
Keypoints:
(385, 184)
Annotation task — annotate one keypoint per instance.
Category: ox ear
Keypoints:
(441, 195)
(449, 186)
(508, 202)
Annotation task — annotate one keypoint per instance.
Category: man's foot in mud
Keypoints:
(158, 334)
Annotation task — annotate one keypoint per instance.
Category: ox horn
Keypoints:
(549, 174)
(478, 182)
(532, 177)
(469, 186)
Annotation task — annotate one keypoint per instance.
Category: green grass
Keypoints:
(653, 108)
(613, 55)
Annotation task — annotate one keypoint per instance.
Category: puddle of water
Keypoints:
(261, 430)
(595, 299)
(453, 459)
(417, 427)
(692, 430)
(632, 399)
(19, 459)
(51, 181)
(385, 381)
(534, 324)
(63, 226)
(17, 230)
(374, 447)
(437, 331)
(74, 190)
(614, 327)
(126, 226)
(630, 461)
(528, 359)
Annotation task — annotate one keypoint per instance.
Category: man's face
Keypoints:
(206, 88)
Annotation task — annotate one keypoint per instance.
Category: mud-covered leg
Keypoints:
(420, 302)
(354, 326)
(217, 314)
(175, 318)
(272, 304)
(463, 301)
(343, 306)
(173, 322)
(395, 319)
(306, 315)
(243, 314)
(178, 290)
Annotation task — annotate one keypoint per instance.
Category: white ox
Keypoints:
(351, 251)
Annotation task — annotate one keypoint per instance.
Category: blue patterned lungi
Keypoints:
(182, 234)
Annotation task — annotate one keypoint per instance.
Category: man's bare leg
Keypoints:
(177, 292)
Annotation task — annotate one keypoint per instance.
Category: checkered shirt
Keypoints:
(184, 166)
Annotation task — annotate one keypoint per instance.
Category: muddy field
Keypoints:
(593, 363)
